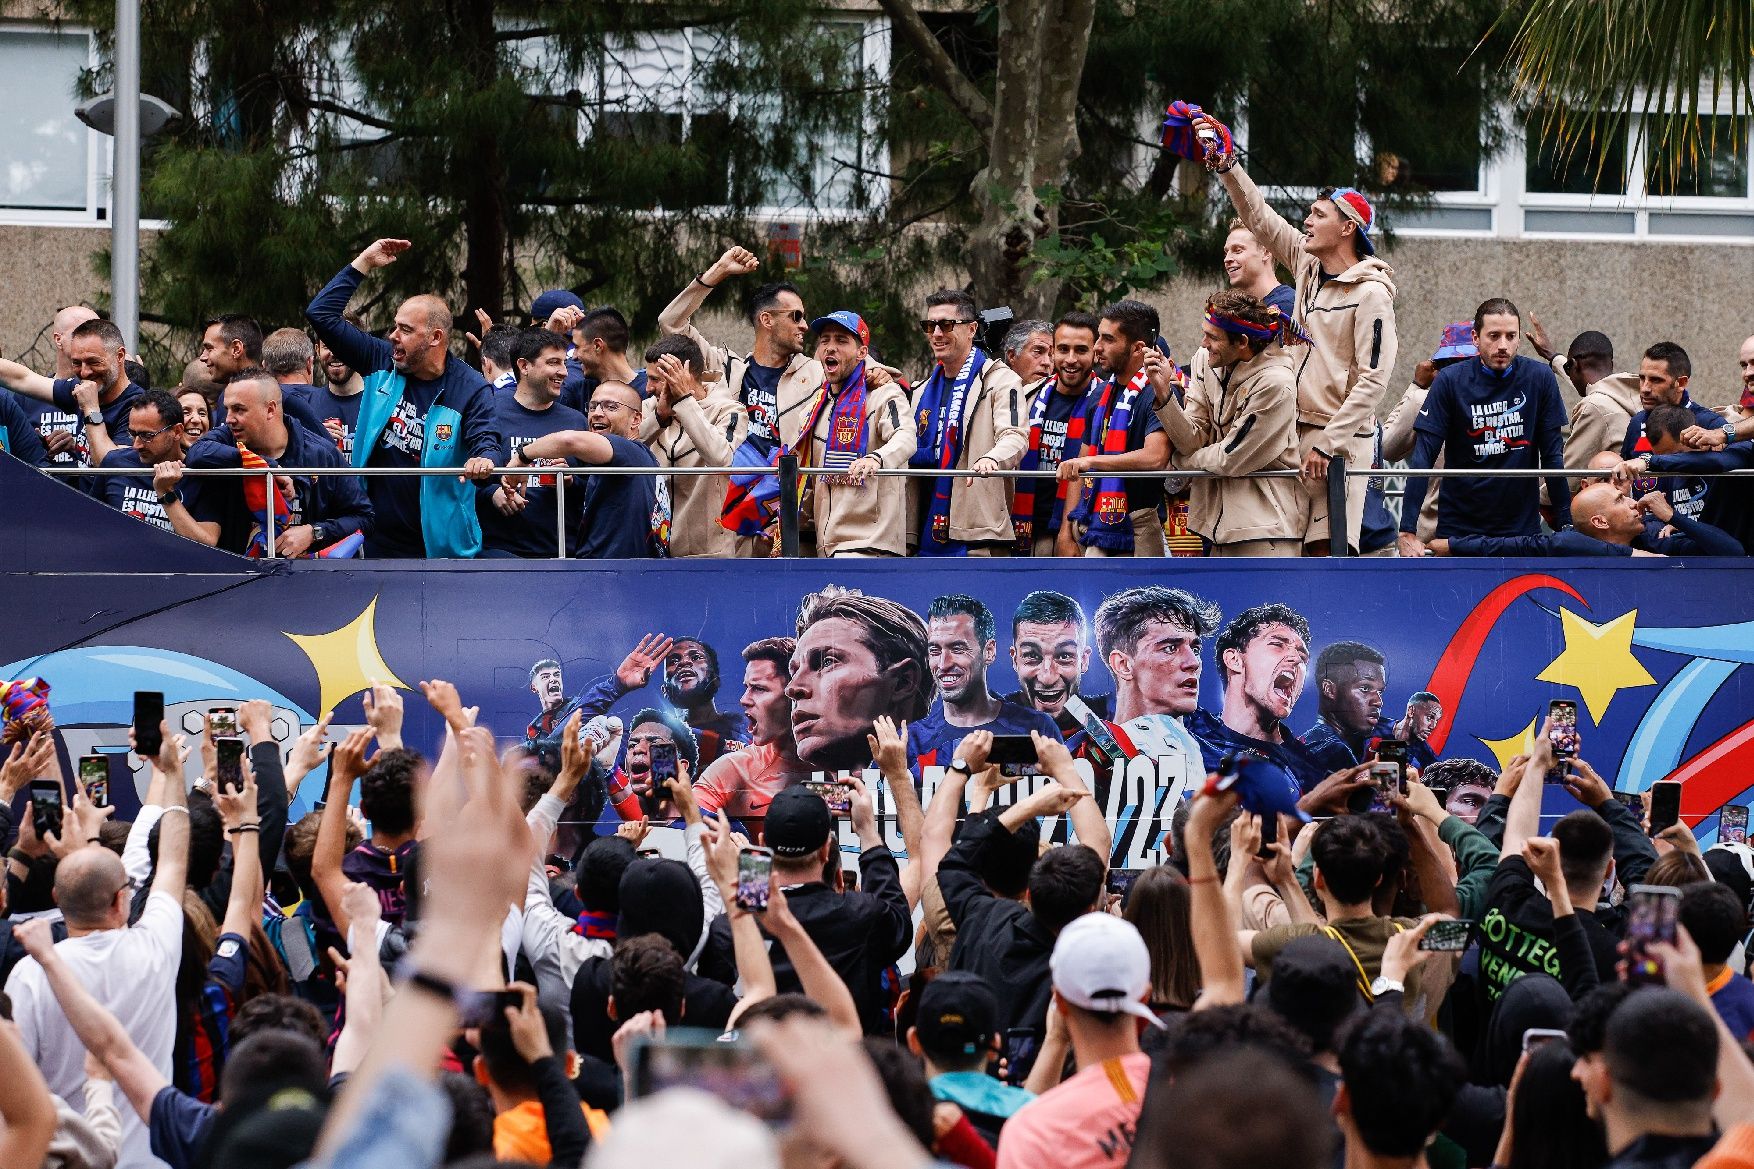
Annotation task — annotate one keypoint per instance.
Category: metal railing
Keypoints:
(791, 476)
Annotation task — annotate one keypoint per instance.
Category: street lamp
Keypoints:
(129, 117)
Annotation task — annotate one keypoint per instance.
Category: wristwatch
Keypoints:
(318, 534)
(90, 420)
(166, 498)
(961, 764)
(1729, 433)
(469, 1002)
(1383, 986)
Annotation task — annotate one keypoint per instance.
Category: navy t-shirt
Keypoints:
(1493, 421)
(1284, 298)
(1055, 418)
(18, 432)
(1141, 493)
(761, 394)
(115, 421)
(531, 533)
(932, 742)
(134, 494)
(179, 1127)
(617, 519)
(576, 391)
(49, 419)
(329, 404)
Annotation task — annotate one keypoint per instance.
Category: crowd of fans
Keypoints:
(1119, 450)
(1323, 973)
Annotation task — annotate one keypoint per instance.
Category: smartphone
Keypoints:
(663, 768)
(222, 722)
(1732, 824)
(1538, 1037)
(148, 715)
(45, 807)
(1014, 755)
(1634, 802)
(834, 793)
(1562, 732)
(1447, 937)
(489, 1006)
(1269, 835)
(1385, 780)
(733, 1071)
(94, 778)
(231, 764)
(1021, 1045)
(1665, 805)
(754, 876)
(1121, 881)
(1652, 914)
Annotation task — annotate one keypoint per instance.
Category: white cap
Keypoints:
(1100, 963)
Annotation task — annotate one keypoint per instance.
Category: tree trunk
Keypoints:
(484, 197)
(1033, 143)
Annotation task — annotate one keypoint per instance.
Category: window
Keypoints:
(45, 153)
(1719, 168)
(1427, 136)
(1593, 167)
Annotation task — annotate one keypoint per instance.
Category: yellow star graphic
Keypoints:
(1504, 750)
(347, 660)
(1597, 660)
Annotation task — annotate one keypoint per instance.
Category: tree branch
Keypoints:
(949, 80)
(324, 105)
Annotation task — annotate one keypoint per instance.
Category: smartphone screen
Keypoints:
(834, 793)
(1385, 780)
(1014, 755)
(1634, 802)
(1732, 824)
(1447, 937)
(735, 1072)
(45, 807)
(1665, 805)
(94, 778)
(231, 764)
(1562, 717)
(222, 722)
(1120, 881)
(1269, 834)
(1021, 1045)
(1652, 912)
(148, 714)
(754, 876)
(663, 768)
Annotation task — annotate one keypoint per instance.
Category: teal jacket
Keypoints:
(448, 522)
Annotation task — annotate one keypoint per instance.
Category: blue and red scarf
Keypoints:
(846, 427)
(942, 402)
(1104, 510)
(752, 498)
(1179, 136)
(257, 493)
(596, 925)
(1023, 500)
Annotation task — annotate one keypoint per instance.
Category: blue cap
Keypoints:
(846, 319)
(551, 301)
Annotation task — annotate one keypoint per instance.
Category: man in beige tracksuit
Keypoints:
(991, 428)
(856, 512)
(1606, 400)
(685, 425)
(776, 383)
(1240, 416)
(1346, 303)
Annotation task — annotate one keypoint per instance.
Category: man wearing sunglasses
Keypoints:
(969, 414)
(775, 381)
(1346, 304)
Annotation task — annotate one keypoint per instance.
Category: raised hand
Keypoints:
(347, 761)
(381, 254)
(636, 668)
(311, 748)
(384, 713)
(737, 261)
(888, 743)
(34, 760)
(634, 831)
(443, 697)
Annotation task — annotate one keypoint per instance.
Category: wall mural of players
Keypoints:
(1122, 688)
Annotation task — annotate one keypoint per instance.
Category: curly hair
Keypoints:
(386, 791)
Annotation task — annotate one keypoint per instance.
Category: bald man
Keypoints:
(131, 970)
(1607, 522)
(421, 407)
(323, 509)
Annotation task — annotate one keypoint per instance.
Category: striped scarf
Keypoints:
(1104, 511)
(846, 441)
(941, 405)
(257, 499)
(1023, 500)
(752, 499)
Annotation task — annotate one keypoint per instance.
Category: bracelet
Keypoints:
(1211, 880)
(168, 808)
(256, 827)
(703, 283)
(1227, 167)
(22, 857)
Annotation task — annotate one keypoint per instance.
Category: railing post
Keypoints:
(268, 512)
(1338, 545)
(789, 505)
(560, 513)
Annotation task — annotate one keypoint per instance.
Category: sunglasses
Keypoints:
(944, 326)
(152, 434)
(796, 315)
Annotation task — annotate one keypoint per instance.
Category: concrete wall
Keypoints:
(1637, 293)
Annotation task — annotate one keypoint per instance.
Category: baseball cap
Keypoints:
(275, 1128)
(847, 319)
(1100, 963)
(554, 298)
(1458, 341)
(958, 1014)
(798, 822)
(1354, 206)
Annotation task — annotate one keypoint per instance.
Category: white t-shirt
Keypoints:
(133, 973)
